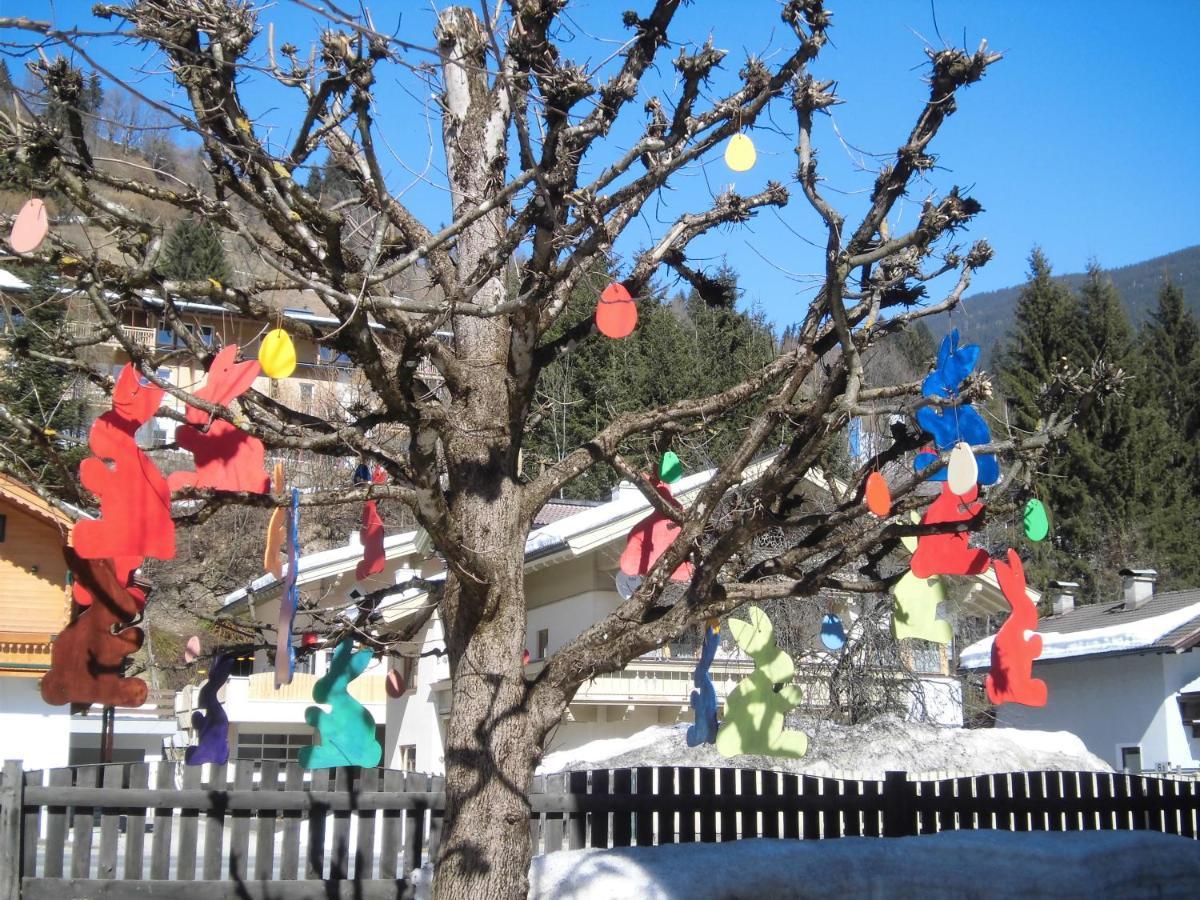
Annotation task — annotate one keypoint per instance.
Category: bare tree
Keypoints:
(536, 186)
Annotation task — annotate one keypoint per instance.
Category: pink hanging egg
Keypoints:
(191, 649)
(30, 227)
(394, 685)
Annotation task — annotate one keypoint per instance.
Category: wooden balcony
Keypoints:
(143, 337)
(364, 689)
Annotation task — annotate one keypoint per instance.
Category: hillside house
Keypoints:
(1123, 675)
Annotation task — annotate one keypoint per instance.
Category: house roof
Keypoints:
(1166, 623)
(560, 509)
(30, 501)
(10, 282)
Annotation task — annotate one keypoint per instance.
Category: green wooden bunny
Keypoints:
(347, 730)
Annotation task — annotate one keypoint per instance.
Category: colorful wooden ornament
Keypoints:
(740, 154)
(962, 472)
(310, 640)
(191, 650)
(277, 354)
(1037, 523)
(371, 534)
(226, 457)
(833, 633)
(276, 528)
(211, 725)
(30, 227)
(670, 469)
(88, 657)
(126, 568)
(650, 538)
(952, 553)
(525, 657)
(135, 501)
(915, 614)
(285, 656)
(347, 730)
(755, 710)
(704, 698)
(616, 313)
(1016, 645)
(878, 495)
(394, 685)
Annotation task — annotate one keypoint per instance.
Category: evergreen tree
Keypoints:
(193, 252)
(37, 391)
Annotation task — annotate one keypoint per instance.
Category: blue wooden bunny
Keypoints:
(348, 729)
(704, 698)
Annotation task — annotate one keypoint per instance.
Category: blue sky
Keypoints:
(1082, 139)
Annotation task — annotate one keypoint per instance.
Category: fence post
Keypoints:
(12, 789)
(898, 797)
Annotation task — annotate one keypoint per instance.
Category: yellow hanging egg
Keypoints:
(277, 354)
(739, 153)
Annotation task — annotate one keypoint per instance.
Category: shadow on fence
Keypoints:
(259, 830)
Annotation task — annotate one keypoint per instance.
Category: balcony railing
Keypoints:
(242, 693)
(143, 337)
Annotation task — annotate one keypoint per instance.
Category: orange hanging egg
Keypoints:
(879, 498)
(616, 313)
(29, 227)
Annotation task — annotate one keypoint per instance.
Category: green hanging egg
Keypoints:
(670, 469)
(1037, 523)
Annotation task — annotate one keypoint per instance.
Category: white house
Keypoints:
(1122, 675)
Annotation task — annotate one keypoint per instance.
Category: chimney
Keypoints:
(1138, 586)
(1063, 596)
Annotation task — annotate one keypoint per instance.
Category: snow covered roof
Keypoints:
(10, 282)
(1167, 623)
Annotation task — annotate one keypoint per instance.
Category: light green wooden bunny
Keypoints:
(755, 709)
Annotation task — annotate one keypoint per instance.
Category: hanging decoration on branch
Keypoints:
(670, 470)
(285, 655)
(949, 554)
(276, 528)
(126, 568)
(191, 650)
(754, 710)
(277, 354)
(30, 227)
(227, 458)
(650, 538)
(394, 685)
(958, 424)
(1036, 520)
(740, 154)
(135, 501)
(616, 313)
(962, 472)
(1017, 644)
(833, 632)
(88, 656)
(704, 698)
(347, 730)
(371, 534)
(917, 600)
(211, 725)
(878, 495)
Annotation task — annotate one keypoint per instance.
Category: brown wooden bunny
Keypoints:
(87, 658)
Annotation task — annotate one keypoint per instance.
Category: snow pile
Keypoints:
(1109, 639)
(952, 864)
(887, 743)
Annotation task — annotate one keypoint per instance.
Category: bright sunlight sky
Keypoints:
(1083, 139)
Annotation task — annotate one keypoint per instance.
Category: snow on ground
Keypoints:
(863, 751)
(953, 864)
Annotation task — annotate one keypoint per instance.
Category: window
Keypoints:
(306, 395)
(543, 642)
(3, 526)
(164, 336)
(408, 669)
(1131, 759)
(255, 745)
(406, 758)
(330, 356)
(243, 666)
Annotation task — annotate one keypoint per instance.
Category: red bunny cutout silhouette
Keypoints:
(87, 656)
(226, 457)
(1011, 678)
(650, 538)
(135, 502)
(949, 554)
(125, 567)
(372, 535)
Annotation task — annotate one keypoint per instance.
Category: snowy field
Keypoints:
(856, 751)
(976, 864)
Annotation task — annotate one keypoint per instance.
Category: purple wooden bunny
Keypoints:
(213, 728)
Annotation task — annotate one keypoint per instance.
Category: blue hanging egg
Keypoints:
(833, 635)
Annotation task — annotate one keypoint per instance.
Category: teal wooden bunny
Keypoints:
(348, 729)
(755, 710)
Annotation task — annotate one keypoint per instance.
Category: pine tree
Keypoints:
(193, 252)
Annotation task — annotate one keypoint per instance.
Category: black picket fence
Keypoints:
(272, 830)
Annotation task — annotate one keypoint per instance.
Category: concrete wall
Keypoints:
(30, 729)
(1108, 702)
(1178, 670)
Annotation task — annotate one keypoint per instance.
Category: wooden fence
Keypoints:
(266, 829)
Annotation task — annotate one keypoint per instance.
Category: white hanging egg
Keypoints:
(962, 472)
(739, 153)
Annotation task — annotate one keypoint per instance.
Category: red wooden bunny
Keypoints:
(373, 560)
(1011, 678)
(88, 656)
(226, 457)
(135, 502)
(949, 554)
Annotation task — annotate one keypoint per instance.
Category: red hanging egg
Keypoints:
(616, 313)
(310, 639)
(29, 227)
(879, 498)
(394, 685)
(525, 658)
